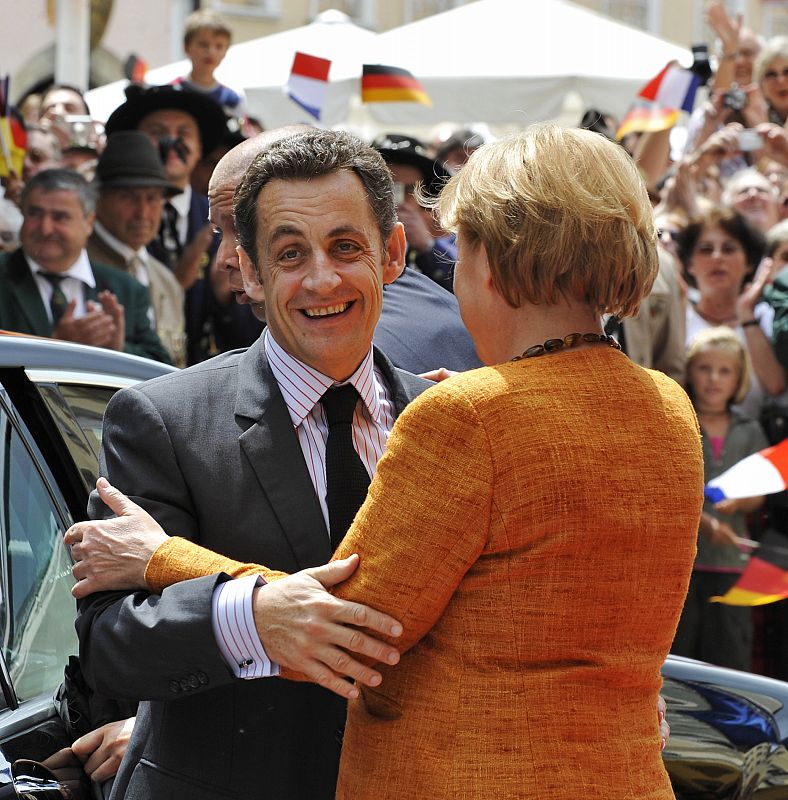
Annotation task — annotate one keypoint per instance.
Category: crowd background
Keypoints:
(721, 206)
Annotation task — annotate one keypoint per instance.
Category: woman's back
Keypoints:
(560, 495)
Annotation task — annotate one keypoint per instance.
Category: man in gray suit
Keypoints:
(324, 241)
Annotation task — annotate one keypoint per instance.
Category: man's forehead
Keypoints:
(168, 116)
(137, 191)
(337, 199)
(57, 197)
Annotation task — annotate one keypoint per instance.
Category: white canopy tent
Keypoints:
(262, 66)
(514, 62)
(502, 62)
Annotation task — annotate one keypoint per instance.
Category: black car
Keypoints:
(729, 729)
(52, 400)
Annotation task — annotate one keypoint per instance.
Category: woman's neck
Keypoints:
(718, 310)
(536, 324)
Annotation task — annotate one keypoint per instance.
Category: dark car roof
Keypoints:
(32, 352)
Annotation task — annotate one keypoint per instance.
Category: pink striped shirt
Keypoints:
(301, 387)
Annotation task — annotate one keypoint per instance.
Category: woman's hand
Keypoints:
(752, 292)
(727, 28)
(756, 112)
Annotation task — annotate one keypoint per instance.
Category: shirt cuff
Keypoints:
(233, 626)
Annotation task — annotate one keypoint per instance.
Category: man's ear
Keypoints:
(253, 285)
(396, 248)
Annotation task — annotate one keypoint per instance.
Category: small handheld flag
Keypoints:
(764, 472)
(135, 68)
(308, 82)
(674, 87)
(647, 117)
(13, 139)
(765, 578)
(381, 84)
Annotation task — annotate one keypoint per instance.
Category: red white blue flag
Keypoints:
(764, 472)
(308, 82)
(674, 87)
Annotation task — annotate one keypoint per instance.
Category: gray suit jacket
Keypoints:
(211, 452)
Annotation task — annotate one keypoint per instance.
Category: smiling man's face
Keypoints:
(322, 269)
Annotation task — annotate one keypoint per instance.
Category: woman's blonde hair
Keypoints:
(559, 212)
(776, 47)
(724, 338)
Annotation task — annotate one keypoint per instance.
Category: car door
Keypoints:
(50, 423)
(36, 608)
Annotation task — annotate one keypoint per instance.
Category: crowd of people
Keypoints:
(181, 231)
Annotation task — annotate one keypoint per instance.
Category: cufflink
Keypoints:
(247, 662)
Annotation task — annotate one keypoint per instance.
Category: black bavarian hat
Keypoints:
(141, 101)
(131, 159)
(397, 148)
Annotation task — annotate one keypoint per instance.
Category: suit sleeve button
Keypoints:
(175, 687)
(194, 683)
(184, 684)
(202, 678)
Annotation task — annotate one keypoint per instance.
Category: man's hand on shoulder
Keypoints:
(305, 629)
(113, 553)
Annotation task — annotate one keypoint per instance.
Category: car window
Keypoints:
(78, 412)
(37, 624)
(88, 404)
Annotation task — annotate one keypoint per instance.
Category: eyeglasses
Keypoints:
(725, 249)
(773, 74)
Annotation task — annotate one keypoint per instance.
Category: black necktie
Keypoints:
(59, 302)
(347, 480)
(168, 235)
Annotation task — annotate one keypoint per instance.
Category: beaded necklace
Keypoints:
(571, 340)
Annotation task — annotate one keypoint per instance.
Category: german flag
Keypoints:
(646, 118)
(765, 578)
(381, 84)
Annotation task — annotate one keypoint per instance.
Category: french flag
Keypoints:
(674, 87)
(308, 82)
(764, 472)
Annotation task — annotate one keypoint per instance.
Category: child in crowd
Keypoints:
(717, 377)
(206, 39)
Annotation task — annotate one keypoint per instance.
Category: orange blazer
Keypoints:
(533, 526)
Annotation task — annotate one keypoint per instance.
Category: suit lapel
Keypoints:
(271, 445)
(404, 386)
(27, 296)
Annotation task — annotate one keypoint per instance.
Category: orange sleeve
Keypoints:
(179, 559)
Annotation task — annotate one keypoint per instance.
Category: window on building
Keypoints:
(701, 32)
(248, 8)
(418, 9)
(362, 12)
(637, 13)
(774, 18)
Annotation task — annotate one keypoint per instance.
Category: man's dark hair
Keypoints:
(310, 155)
(70, 88)
(61, 180)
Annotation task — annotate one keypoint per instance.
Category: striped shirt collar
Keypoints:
(302, 386)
